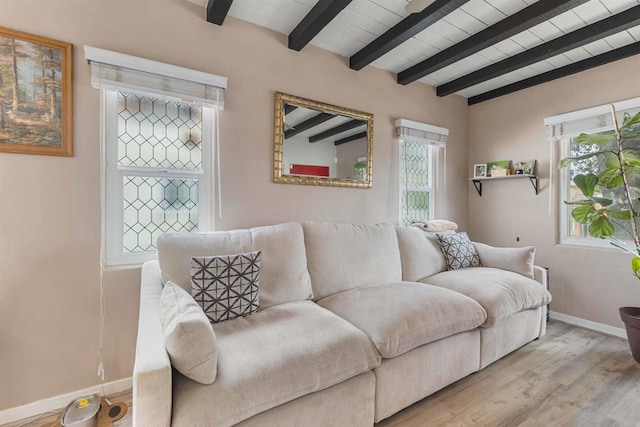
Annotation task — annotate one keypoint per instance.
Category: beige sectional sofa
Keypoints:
(356, 322)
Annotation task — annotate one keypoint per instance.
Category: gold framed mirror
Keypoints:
(321, 144)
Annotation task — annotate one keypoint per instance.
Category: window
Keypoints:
(157, 171)
(157, 134)
(416, 178)
(563, 130)
(420, 146)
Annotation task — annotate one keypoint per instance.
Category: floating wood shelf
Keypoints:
(477, 182)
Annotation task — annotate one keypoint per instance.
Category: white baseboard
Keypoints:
(588, 324)
(58, 402)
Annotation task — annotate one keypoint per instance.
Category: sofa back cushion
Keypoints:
(420, 253)
(346, 256)
(283, 268)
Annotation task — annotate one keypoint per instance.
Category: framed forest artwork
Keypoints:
(35, 94)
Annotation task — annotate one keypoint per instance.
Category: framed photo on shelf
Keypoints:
(480, 170)
(35, 94)
(525, 167)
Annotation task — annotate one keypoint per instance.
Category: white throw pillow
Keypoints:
(188, 335)
(518, 260)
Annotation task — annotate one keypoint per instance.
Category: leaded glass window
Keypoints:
(157, 172)
(415, 181)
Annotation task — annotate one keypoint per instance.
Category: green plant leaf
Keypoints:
(601, 227)
(611, 177)
(583, 214)
(602, 201)
(631, 120)
(635, 265)
(612, 160)
(630, 134)
(585, 202)
(599, 139)
(586, 183)
(568, 160)
(623, 214)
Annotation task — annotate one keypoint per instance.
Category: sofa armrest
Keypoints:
(152, 369)
(540, 275)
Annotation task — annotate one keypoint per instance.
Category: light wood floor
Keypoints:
(571, 377)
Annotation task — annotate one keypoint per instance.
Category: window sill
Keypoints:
(587, 243)
(130, 262)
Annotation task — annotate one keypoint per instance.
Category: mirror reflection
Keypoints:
(321, 144)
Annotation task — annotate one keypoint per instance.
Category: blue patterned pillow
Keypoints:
(226, 286)
(458, 250)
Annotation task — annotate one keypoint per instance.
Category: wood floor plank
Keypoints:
(570, 377)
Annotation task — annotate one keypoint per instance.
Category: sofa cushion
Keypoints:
(502, 293)
(272, 357)
(188, 335)
(458, 250)
(283, 269)
(420, 253)
(399, 317)
(518, 260)
(226, 286)
(345, 256)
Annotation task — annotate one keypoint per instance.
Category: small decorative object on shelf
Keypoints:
(496, 171)
(499, 168)
(480, 170)
(525, 167)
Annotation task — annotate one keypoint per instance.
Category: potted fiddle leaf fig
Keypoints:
(611, 202)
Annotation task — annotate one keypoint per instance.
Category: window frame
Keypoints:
(564, 209)
(113, 254)
(430, 189)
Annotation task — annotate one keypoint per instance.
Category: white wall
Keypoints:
(299, 150)
(348, 156)
(589, 283)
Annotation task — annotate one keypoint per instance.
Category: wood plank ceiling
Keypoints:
(479, 49)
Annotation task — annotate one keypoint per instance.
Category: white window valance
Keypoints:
(117, 71)
(589, 120)
(421, 132)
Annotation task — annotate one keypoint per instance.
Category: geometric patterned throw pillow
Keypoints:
(458, 250)
(226, 286)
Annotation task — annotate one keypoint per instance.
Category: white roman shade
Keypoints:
(118, 71)
(408, 130)
(589, 120)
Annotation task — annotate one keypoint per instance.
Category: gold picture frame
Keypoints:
(36, 95)
(279, 176)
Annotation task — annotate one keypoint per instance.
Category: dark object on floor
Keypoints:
(631, 318)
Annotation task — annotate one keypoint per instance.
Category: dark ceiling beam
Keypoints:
(289, 108)
(217, 10)
(318, 17)
(567, 70)
(351, 124)
(601, 29)
(534, 14)
(308, 124)
(403, 31)
(351, 138)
